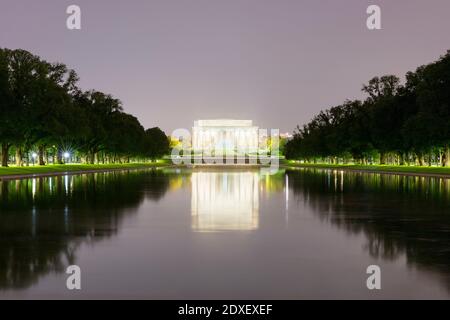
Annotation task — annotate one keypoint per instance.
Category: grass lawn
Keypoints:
(74, 167)
(380, 168)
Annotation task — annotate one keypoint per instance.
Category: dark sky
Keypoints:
(277, 62)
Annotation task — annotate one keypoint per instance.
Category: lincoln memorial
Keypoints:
(225, 135)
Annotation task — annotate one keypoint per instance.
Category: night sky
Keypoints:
(277, 62)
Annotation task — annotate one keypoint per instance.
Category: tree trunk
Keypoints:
(447, 156)
(92, 158)
(19, 157)
(59, 159)
(382, 158)
(5, 154)
(402, 159)
(41, 150)
(420, 159)
(444, 157)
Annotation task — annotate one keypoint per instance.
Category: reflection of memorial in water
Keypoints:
(224, 201)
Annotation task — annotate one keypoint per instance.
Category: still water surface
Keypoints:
(231, 234)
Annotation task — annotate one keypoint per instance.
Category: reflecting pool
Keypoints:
(230, 234)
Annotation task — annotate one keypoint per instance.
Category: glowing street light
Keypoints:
(66, 155)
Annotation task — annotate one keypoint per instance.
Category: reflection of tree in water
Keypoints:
(398, 214)
(44, 220)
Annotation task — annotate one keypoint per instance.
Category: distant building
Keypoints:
(286, 135)
(225, 135)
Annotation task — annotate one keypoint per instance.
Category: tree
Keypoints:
(398, 123)
(22, 74)
(156, 143)
(48, 116)
(41, 108)
(126, 136)
(100, 108)
(5, 106)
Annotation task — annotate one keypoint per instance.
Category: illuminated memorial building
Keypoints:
(221, 200)
(225, 135)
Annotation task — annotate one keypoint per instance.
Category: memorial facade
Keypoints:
(225, 135)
